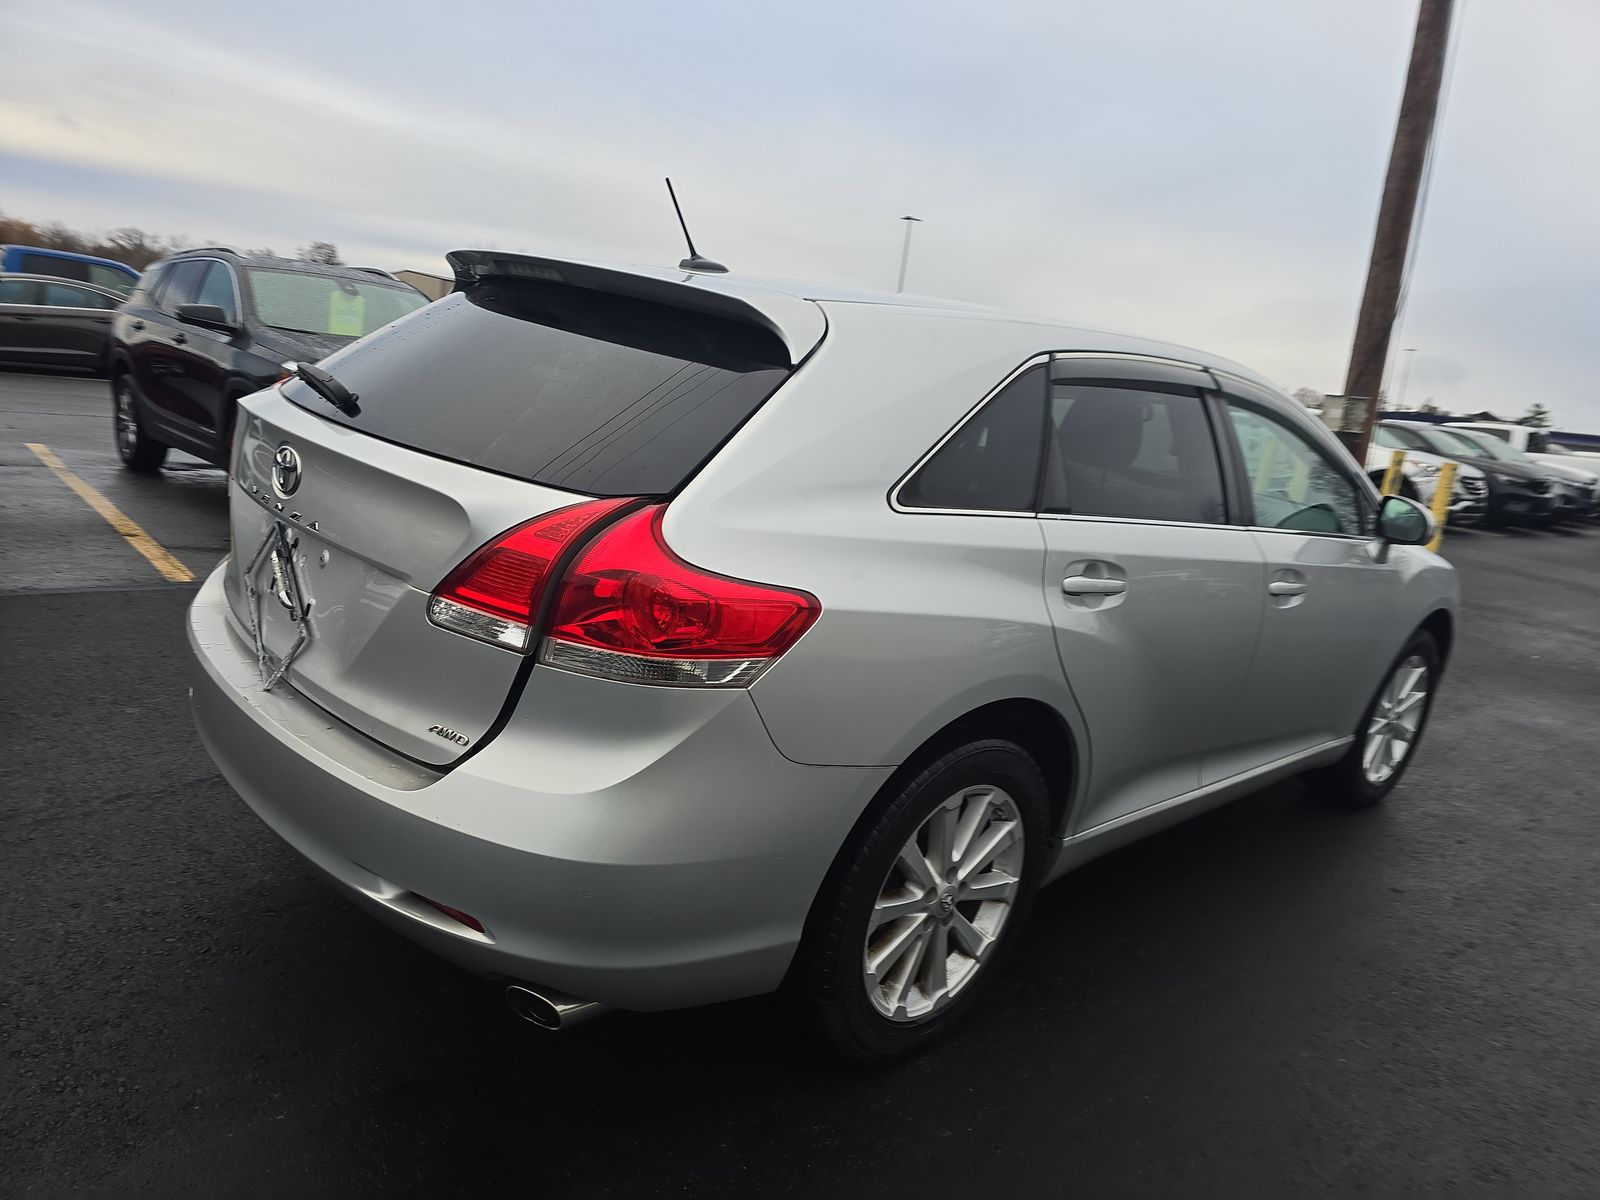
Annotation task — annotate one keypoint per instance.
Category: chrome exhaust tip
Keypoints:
(548, 1008)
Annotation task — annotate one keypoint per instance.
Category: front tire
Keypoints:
(138, 450)
(925, 901)
(1386, 740)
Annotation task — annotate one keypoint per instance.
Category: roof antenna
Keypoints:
(695, 262)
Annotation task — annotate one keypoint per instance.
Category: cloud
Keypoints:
(1207, 174)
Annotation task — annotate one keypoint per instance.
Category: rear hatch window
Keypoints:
(558, 385)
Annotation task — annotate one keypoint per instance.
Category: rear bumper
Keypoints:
(645, 847)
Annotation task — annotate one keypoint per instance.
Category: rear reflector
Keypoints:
(630, 609)
(455, 914)
(494, 595)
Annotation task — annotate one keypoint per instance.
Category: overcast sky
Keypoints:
(1204, 173)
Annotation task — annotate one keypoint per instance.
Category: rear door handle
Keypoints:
(137, 326)
(1088, 585)
(1284, 587)
(180, 339)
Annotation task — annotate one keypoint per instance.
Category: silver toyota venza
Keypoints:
(647, 638)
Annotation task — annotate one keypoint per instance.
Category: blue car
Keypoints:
(64, 264)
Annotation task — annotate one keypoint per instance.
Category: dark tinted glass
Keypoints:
(64, 295)
(992, 462)
(183, 282)
(61, 268)
(1131, 452)
(217, 289)
(19, 291)
(564, 386)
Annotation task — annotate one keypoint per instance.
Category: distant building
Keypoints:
(431, 286)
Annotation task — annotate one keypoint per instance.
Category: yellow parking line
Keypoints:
(141, 541)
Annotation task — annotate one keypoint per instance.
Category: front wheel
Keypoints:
(137, 449)
(918, 910)
(1386, 740)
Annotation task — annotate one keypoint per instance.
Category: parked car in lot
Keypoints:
(651, 638)
(1518, 494)
(1419, 480)
(1537, 444)
(104, 273)
(1577, 492)
(47, 322)
(207, 326)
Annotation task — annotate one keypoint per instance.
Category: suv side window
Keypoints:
(1137, 451)
(64, 295)
(19, 291)
(110, 279)
(183, 283)
(991, 462)
(218, 289)
(61, 268)
(1293, 484)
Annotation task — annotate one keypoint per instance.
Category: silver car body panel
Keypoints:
(655, 847)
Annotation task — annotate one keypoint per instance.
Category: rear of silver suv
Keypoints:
(609, 641)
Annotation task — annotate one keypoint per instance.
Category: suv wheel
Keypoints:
(917, 911)
(1389, 731)
(137, 449)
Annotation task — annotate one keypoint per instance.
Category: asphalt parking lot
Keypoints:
(1274, 999)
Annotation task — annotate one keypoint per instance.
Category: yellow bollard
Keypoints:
(1441, 502)
(1391, 477)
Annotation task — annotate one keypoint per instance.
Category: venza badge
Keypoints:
(285, 470)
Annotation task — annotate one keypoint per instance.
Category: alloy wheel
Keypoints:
(939, 913)
(1396, 719)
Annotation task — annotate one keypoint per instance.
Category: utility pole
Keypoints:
(1380, 302)
(905, 253)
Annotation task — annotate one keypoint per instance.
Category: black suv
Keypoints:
(207, 326)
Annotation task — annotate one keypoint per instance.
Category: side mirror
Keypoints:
(1404, 522)
(208, 316)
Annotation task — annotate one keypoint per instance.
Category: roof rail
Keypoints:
(374, 271)
(200, 249)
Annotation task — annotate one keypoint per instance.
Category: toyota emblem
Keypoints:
(285, 471)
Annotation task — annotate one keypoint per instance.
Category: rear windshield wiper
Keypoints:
(326, 386)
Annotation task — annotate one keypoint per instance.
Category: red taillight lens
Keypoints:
(631, 609)
(494, 595)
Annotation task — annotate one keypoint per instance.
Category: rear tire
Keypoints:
(870, 971)
(1369, 771)
(138, 450)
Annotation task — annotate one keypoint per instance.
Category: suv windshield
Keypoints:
(1445, 442)
(304, 302)
(576, 389)
(1489, 446)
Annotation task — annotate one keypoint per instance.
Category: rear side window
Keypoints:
(1131, 452)
(991, 462)
(111, 279)
(19, 291)
(217, 289)
(183, 283)
(564, 386)
(61, 268)
(64, 295)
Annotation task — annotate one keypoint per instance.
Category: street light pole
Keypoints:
(905, 253)
(1405, 374)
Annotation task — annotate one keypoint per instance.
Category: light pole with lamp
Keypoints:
(905, 253)
(1405, 374)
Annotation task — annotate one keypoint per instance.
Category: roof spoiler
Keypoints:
(798, 323)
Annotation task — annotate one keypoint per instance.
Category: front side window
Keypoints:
(111, 279)
(303, 302)
(183, 283)
(217, 289)
(991, 463)
(1132, 452)
(1292, 483)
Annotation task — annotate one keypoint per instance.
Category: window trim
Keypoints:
(159, 298)
(1359, 482)
(1206, 386)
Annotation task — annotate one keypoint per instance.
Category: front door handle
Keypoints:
(137, 326)
(1285, 587)
(180, 339)
(1088, 585)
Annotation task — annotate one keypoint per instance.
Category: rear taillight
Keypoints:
(494, 595)
(630, 609)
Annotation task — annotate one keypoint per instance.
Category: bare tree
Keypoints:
(320, 252)
(1537, 415)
